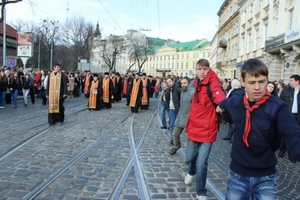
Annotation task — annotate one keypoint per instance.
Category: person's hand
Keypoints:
(47, 96)
(64, 96)
(220, 110)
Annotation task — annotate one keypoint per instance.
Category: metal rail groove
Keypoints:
(26, 141)
(57, 173)
(135, 163)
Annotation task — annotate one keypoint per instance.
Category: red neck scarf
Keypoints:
(249, 109)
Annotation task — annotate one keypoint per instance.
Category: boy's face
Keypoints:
(255, 86)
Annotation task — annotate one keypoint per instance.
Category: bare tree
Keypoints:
(138, 51)
(111, 49)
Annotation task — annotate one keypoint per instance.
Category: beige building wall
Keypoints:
(214, 53)
(168, 60)
(267, 29)
(228, 39)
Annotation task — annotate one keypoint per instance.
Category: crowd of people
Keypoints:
(262, 116)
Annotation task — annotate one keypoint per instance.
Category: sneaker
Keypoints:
(202, 197)
(188, 179)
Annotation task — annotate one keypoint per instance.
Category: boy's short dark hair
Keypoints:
(254, 67)
(296, 77)
(203, 62)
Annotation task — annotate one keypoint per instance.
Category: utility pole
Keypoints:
(3, 19)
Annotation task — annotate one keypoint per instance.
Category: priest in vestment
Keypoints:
(86, 84)
(95, 99)
(146, 92)
(136, 94)
(107, 91)
(57, 91)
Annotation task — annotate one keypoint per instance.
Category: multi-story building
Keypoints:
(265, 29)
(228, 34)
(163, 57)
(177, 58)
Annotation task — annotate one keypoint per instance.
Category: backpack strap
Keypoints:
(209, 94)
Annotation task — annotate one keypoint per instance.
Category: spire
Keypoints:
(97, 32)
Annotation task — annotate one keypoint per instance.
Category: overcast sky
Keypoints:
(182, 20)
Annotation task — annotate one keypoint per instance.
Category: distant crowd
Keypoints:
(263, 116)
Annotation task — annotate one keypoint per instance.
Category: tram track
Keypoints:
(135, 163)
(37, 190)
(29, 136)
(132, 161)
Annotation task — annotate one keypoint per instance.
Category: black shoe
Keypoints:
(163, 127)
(292, 160)
(280, 154)
(173, 151)
(226, 138)
(171, 143)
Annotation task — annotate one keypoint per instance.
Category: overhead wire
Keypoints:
(196, 13)
(135, 14)
(111, 17)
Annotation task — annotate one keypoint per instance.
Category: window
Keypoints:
(173, 57)
(255, 39)
(204, 54)
(168, 65)
(251, 11)
(164, 65)
(177, 66)
(181, 65)
(182, 56)
(195, 55)
(186, 65)
(172, 65)
(290, 22)
(187, 55)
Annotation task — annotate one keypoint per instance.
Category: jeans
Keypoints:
(258, 188)
(162, 113)
(172, 118)
(15, 96)
(25, 95)
(230, 131)
(2, 98)
(197, 159)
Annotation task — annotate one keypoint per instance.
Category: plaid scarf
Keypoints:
(249, 109)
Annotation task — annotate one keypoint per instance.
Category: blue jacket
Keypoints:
(271, 121)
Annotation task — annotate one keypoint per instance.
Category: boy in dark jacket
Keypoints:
(260, 121)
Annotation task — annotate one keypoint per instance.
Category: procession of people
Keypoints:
(253, 105)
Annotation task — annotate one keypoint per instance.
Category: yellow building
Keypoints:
(177, 58)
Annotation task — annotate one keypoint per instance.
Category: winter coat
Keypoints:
(176, 91)
(185, 104)
(202, 125)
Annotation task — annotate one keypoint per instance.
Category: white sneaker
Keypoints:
(188, 179)
(202, 197)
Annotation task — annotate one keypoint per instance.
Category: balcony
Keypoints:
(223, 43)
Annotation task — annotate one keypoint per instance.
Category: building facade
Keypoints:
(163, 57)
(177, 58)
(265, 29)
